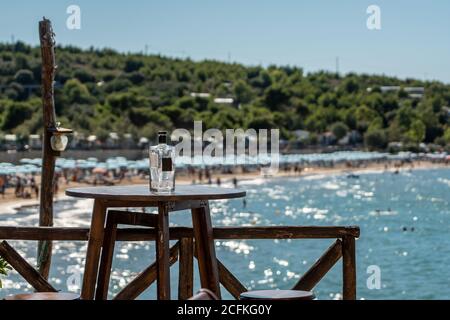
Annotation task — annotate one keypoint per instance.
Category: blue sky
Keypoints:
(414, 40)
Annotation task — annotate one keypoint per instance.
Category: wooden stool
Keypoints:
(113, 219)
(277, 295)
(204, 294)
(44, 296)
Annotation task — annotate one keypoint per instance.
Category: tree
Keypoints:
(275, 97)
(417, 131)
(133, 64)
(375, 139)
(339, 130)
(447, 136)
(76, 92)
(24, 77)
(16, 113)
(4, 268)
(242, 92)
(351, 85)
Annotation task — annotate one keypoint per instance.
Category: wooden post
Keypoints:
(162, 252)
(349, 268)
(186, 269)
(46, 37)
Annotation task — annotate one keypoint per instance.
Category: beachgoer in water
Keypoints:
(244, 203)
(235, 182)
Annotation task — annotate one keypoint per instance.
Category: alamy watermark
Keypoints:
(374, 20)
(374, 278)
(73, 281)
(73, 21)
(237, 147)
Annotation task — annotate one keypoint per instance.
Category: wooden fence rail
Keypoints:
(184, 251)
(176, 233)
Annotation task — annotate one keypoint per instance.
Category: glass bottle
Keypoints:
(162, 165)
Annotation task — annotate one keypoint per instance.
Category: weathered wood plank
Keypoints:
(46, 37)
(94, 247)
(138, 234)
(349, 268)
(133, 218)
(229, 281)
(145, 278)
(186, 269)
(206, 254)
(104, 272)
(162, 253)
(320, 268)
(31, 275)
(281, 232)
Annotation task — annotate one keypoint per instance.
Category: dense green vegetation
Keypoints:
(4, 268)
(102, 91)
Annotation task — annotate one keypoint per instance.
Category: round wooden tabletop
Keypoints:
(277, 295)
(44, 296)
(142, 193)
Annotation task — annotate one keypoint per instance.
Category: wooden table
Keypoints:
(194, 198)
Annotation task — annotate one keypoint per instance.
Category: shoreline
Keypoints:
(10, 204)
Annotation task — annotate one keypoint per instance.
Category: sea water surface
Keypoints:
(404, 220)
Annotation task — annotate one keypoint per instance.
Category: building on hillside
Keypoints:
(327, 138)
(412, 92)
(35, 142)
(352, 137)
(204, 95)
(10, 142)
(224, 100)
(301, 135)
(112, 141)
(128, 141)
(143, 143)
(92, 141)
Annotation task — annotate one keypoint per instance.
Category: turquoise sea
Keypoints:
(404, 220)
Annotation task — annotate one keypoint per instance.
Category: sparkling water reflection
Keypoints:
(404, 230)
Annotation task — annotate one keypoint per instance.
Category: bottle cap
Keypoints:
(162, 137)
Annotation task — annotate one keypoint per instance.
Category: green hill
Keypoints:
(102, 91)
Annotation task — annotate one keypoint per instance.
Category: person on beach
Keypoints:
(235, 182)
(18, 190)
(2, 186)
(56, 185)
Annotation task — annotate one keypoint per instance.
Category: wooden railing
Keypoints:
(343, 247)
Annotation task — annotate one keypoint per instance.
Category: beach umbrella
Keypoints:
(6, 164)
(25, 160)
(99, 170)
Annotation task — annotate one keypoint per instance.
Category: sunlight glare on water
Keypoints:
(403, 220)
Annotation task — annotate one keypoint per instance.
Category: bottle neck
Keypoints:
(162, 140)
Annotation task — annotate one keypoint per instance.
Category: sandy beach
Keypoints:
(10, 202)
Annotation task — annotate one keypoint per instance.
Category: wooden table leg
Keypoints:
(162, 253)
(206, 253)
(104, 273)
(93, 250)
